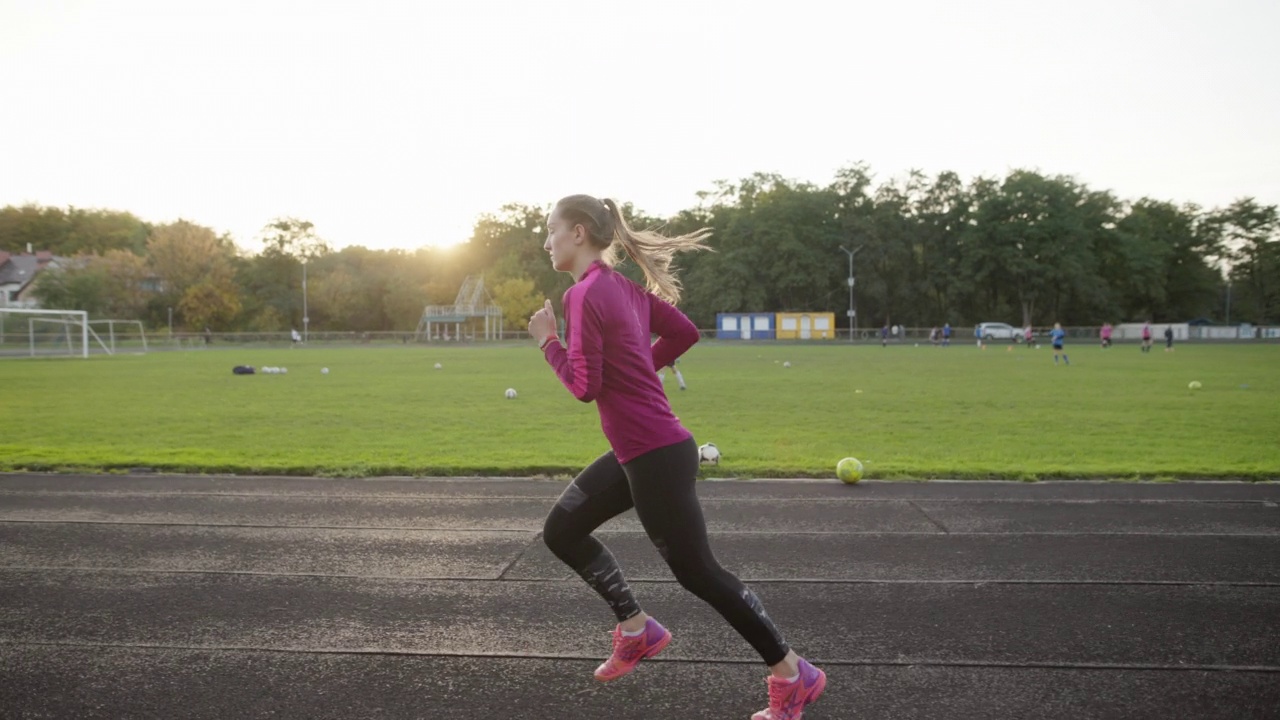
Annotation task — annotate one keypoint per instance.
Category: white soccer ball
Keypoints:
(511, 393)
(438, 366)
(324, 371)
(786, 364)
(284, 370)
(708, 454)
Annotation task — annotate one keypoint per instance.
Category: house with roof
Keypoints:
(18, 273)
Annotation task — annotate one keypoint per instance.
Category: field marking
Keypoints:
(935, 523)
(705, 500)
(535, 479)
(1140, 533)
(519, 555)
(695, 660)
(573, 579)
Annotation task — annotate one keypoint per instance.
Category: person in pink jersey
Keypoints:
(607, 357)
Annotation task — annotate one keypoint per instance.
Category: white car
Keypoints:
(999, 331)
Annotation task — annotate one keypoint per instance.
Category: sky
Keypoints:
(396, 124)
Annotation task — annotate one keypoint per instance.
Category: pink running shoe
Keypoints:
(787, 699)
(629, 651)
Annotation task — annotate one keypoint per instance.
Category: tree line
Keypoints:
(1027, 248)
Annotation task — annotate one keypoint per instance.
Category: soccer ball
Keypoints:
(438, 366)
(708, 454)
(1194, 385)
(284, 370)
(786, 364)
(849, 470)
(511, 393)
(324, 371)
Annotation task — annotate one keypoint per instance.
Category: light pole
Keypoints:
(853, 314)
(170, 324)
(306, 320)
(1228, 302)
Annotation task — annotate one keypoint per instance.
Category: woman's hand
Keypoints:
(542, 324)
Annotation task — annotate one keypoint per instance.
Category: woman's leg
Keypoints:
(599, 493)
(662, 487)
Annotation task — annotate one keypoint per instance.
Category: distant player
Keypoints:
(946, 334)
(1027, 334)
(1059, 336)
(1146, 337)
(675, 370)
(1105, 335)
(933, 334)
(884, 335)
(653, 463)
(1168, 338)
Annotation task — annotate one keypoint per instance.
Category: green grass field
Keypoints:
(907, 412)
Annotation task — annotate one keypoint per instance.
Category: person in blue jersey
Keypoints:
(1059, 336)
(946, 334)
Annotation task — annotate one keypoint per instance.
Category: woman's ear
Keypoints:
(579, 234)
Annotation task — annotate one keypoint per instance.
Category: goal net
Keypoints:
(127, 336)
(47, 333)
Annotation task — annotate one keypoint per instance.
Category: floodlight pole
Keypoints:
(306, 320)
(853, 314)
(170, 324)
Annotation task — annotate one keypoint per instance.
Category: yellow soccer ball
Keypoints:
(849, 470)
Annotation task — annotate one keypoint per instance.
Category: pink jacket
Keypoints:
(609, 321)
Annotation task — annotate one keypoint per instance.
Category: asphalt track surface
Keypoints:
(234, 597)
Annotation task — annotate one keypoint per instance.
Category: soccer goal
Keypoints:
(26, 332)
(120, 335)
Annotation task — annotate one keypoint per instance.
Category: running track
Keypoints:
(234, 597)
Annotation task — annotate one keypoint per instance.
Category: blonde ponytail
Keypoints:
(652, 251)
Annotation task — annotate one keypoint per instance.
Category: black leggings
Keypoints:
(660, 486)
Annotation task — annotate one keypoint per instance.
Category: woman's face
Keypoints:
(564, 241)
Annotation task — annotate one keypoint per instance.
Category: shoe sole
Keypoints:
(657, 648)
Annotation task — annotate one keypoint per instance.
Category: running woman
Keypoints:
(654, 460)
(1058, 335)
(1146, 337)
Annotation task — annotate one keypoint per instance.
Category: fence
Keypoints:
(904, 335)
